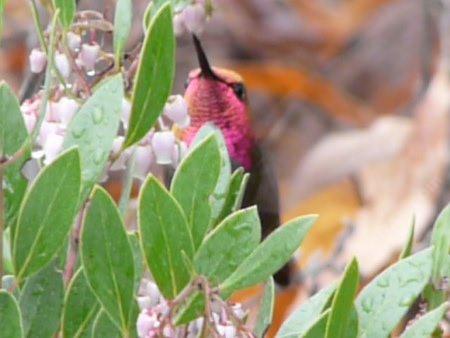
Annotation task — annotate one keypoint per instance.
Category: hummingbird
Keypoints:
(218, 96)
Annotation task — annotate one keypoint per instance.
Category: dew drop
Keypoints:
(78, 131)
(97, 115)
(383, 282)
(367, 304)
(90, 72)
(98, 156)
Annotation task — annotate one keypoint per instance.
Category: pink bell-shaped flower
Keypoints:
(38, 60)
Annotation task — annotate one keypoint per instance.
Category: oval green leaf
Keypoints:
(226, 247)
(342, 305)
(194, 183)
(300, 320)
(107, 258)
(425, 325)
(13, 135)
(41, 303)
(80, 308)
(384, 301)
(164, 236)
(235, 194)
(154, 76)
(93, 130)
(122, 26)
(105, 327)
(270, 255)
(67, 10)
(10, 314)
(46, 214)
(265, 314)
(318, 327)
(440, 239)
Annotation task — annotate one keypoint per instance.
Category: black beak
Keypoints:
(205, 68)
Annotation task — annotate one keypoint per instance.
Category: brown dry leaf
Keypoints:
(410, 183)
(334, 204)
(289, 82)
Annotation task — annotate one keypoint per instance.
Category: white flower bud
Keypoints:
(74, 41)
(145, 323)
(163, 143)
(52, 147)
(47, 129)
(177, 111)
(143, 161)
(153, 292)
(144, 302)
(88, 55)
(31, 169)
(238, 311)
(66, 109)
(120, 163)
(195, 18)
(30, 121)
(226, 331)
(179, 27)
(63, 65)
(126, 112)
(38, 60)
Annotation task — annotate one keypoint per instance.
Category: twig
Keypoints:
(74, 248)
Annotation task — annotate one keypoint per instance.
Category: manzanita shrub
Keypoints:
(72, 261)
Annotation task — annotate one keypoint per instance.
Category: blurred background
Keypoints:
(351, 97)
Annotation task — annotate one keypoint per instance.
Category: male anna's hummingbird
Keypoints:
(218, 96)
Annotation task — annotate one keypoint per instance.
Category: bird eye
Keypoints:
(186, 83)
(240, 91)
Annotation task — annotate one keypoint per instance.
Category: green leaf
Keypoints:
(265, 315)
(219, 196)
(41, 303)
(222, 251)
(137, 257)
(122, 26)
(425, 325)
(107, 258)
(80, 308)
(155, 5)
(440, 239)
(270, 255)
(154, 76)
(2, 9)
(13, 134)
(67, 10)
(94, 128)
(104, 327)
(384, 301)
(195, 182)
(407, 250)
(342, 305)
(318, 327)
(236, 191)
(46, 214)
(10, 314)
(300, 320)
(227, 246)
(164, 236)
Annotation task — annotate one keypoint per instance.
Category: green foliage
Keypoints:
(108, 259)
(199, 172)
(338, 323)
(46, 214)
(265, 314)
(2, 9)
(425, 326)
(318, 327)
(270, 255)
(440, 239)
(104, 327)
(80, 308)
(13, 135)
(93, 130)
(154, 76)
(10, 314)
(164, 236)
(122, 26)
(300, 320)
(236, 190)
(382, 303)
(41, 302)
(67, 10)
(407, 250)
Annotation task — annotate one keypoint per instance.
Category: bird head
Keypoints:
(218, 96)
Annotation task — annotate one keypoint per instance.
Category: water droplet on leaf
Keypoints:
(78, 131)
(97, 115)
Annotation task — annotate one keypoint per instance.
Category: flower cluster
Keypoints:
(154, 319)
(191, 19)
